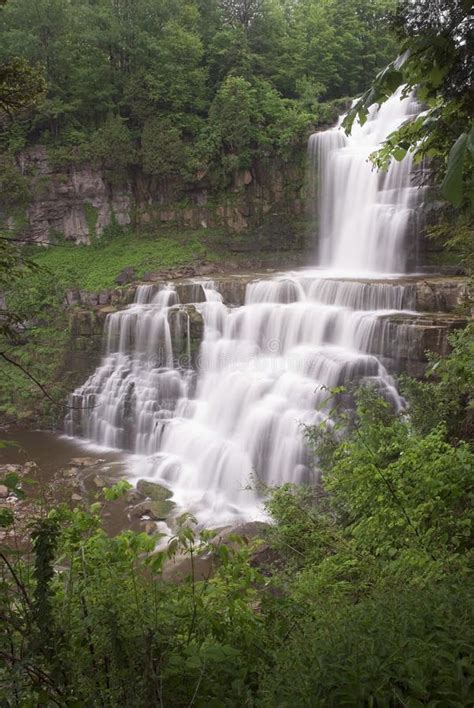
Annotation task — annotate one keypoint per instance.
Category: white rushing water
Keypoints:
(211, 423)
(364, 215)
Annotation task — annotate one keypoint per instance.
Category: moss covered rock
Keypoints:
(153, 490)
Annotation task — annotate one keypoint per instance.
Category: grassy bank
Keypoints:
(95, 267)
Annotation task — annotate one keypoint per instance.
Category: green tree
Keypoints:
(436, 62)
(231, 116)
(112, 146)
(164, 152)
(241, 13)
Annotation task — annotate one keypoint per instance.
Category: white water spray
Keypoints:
(365, 216)
(264, 367)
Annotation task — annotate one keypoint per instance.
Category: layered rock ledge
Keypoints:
(438, 305)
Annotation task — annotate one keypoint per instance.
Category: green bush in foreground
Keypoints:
(369, 604)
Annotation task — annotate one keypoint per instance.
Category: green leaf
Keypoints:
(8, 443)
(451, 187)
(117, 491)
(172, 547)
(6, 518)
(399, 153)
(11, 480)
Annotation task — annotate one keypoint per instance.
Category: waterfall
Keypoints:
(364, 215)
(211, 428)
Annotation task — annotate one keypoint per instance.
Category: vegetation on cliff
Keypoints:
(182, 88)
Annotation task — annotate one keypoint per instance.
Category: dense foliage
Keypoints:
(436, 61)
(365, 598)
(182, 88)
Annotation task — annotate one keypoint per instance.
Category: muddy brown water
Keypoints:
(54, 455)
(50, 451)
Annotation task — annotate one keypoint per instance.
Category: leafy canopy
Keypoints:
(435, 61)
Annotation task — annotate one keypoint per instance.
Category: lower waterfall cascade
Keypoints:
(210, 422)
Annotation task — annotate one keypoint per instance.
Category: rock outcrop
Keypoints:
(78, 201)
(404, 340)
(439, 305)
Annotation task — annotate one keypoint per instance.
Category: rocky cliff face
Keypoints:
(80, 201)
(77, 203)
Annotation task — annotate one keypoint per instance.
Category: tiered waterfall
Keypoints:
(213, 422)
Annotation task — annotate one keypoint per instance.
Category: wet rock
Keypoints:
(125, 276)
(247, 531)
(76, 498)
(4, 491)
(122, 296)
(233, 290)
(150, 528)
(99, 482)
(441, 294)
(11, 469)
(84, 461)
(206, 269)
(406, 338)
(155, 510)
(153, 490)
(187, 331)
(133, 496)
(190, 293)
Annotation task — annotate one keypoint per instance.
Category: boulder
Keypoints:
(153, 490)
(4, 491)
(155, 510)
(84, 461)
(247, 531)
(206, 269)
(127, 275)
(133, 496)
(263, 557)
(150, 528)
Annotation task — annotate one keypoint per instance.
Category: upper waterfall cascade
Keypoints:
(263, 370)
(364, 215)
